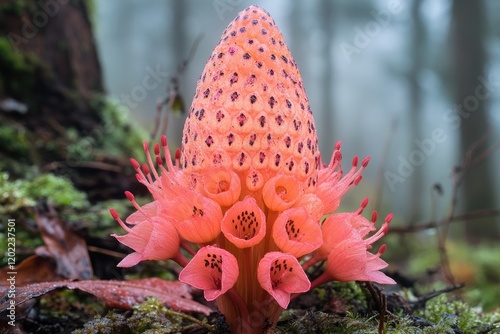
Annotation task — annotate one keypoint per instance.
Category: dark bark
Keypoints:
(49, 65)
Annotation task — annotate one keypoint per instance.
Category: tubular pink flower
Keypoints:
(212, 269)
(221, 185)
(281, 275)
(244, 224)
(196, 217)
(281, 192)
(313, 205)
(347, 255)
(333, 230)
(349, 261)
(151, 239)
(296, 233)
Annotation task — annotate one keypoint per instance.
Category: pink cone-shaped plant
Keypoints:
(246, 196)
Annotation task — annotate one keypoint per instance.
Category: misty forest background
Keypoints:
(379, 91)
(414, 84)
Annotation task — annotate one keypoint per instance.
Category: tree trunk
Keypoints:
(415, 104)
(50, 88)
(470, 58)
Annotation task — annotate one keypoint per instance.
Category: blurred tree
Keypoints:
(415, 104)
(468, 19)
(326, 22)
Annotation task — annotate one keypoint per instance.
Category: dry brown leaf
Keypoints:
(31, 270)
(62, 244)
(117, 294)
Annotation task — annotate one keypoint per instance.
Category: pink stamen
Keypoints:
(379, 234)
(116, 217)
(362, 206)
(131, 198)
(150, 161)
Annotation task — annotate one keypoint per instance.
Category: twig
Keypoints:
(432, 224)
(420, 302)
(173, 95)
(381, 302)
(471, 159)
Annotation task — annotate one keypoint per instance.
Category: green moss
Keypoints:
(23, 194)
(20, 68)
(15, 155)
(454, 312)
(149, 317)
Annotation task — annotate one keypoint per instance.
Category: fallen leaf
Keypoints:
(117, 294)
(31, 270)
(62, 244)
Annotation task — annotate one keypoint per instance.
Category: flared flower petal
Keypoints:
(296, 233)
(281, 275)
(334, 230)
(244, 224)
(213, 270)
(350, 261)
(281, 192)
(196, 217)
(313, 205)
(147, 210)
(221, 185)
(152, 239)
(347, 261)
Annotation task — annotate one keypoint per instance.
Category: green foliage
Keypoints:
(149, 317)
(24, 194)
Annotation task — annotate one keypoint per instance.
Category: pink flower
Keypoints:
(151, 239)
(221, 185)
(212, 269)
(196, 217)
(332, 184)
(244, 224)
(296, 233)
(281, 275)
(281, 192)
(348, 258)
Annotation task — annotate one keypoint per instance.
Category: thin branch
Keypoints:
(172, 95)
(432, 224)
(471, 159)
